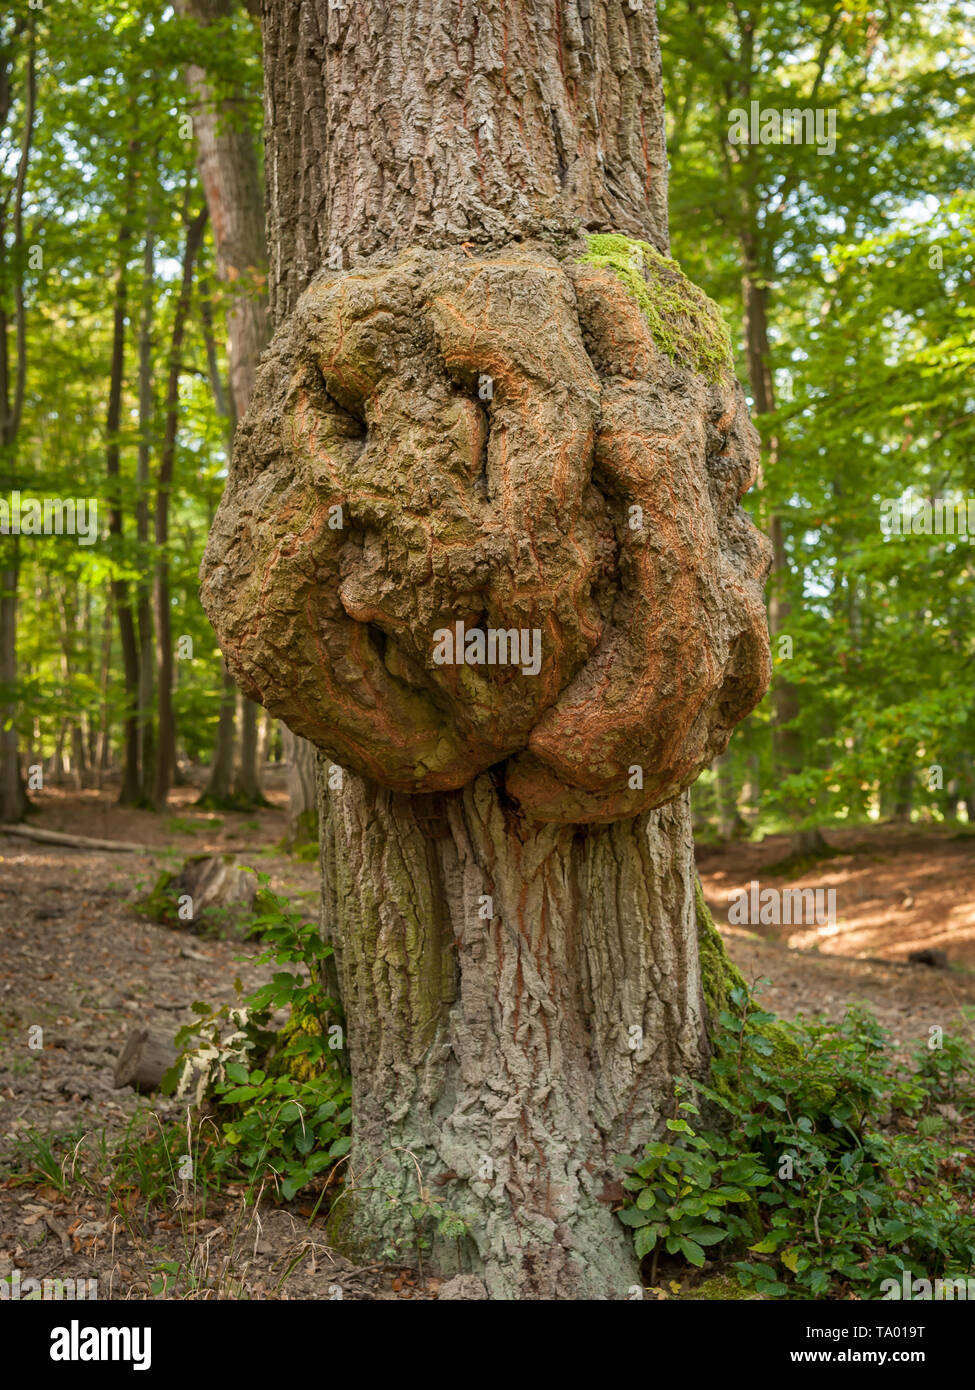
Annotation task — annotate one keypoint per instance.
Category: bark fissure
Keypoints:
(512, 1055)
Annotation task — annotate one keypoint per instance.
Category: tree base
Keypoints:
(519, 999)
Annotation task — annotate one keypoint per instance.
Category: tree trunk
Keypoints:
(229, 171)
(519, 1000)
(787, 744)
(247, 779)
(13, 800)
(166, 747)
(217, 794)
(265, 739)
(131, 791)
(147, 675)
(227, 162)
(730, 823)
(13, 385)
(520, 988)
(104, 679)
(302, 789)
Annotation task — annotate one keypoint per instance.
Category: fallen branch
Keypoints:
(54, 837)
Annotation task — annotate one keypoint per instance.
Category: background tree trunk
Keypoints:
(147, 675)
(247, 780)
(730, 821)
(218, 789)
(302, 788)
(166, 748)
(131, 790)
(13, 800)
(13, 384)
(230, 174)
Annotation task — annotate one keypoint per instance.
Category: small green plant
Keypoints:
(685, 1190)
(281, 1099)
(823, 1170)
(44, 1158)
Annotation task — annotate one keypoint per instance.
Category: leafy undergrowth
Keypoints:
(266, 1117)
(277, 1102)
(814, 1172)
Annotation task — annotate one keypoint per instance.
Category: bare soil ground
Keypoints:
(77, 960)
(898, 890)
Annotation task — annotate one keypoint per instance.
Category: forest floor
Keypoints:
(899, 889)
(79, 961)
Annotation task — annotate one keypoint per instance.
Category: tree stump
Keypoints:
(147, 1054)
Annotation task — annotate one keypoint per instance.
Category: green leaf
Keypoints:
(691, 1251)
(707, 1235)
(632, 1216)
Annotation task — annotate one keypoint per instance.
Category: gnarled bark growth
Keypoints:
(450, 442)
(493, 414)
(450, 451)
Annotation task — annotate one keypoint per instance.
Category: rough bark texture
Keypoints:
(368, 456)
(393, 123)
(467, 405)
(522, 996)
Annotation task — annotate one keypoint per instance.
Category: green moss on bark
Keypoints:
(684, 322)
(719, 976)
(161, 903)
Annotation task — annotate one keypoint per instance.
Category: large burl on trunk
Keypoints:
(482, 545)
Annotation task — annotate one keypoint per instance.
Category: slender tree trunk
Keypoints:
(265, 737)
(230, 174)
(217, 794)
(221, 776)
(730, 823)
(13, 800)
(247, 781)
(13, 384)
(130, 793)
(302, 788)
(104, 680)
(166, 752)
(787, 745)
(147, 681)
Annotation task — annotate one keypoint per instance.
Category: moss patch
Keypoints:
(302, 841)
(721, 1287)
(719, 976)
(161, 903)
(293, 1061)
(684, 322)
